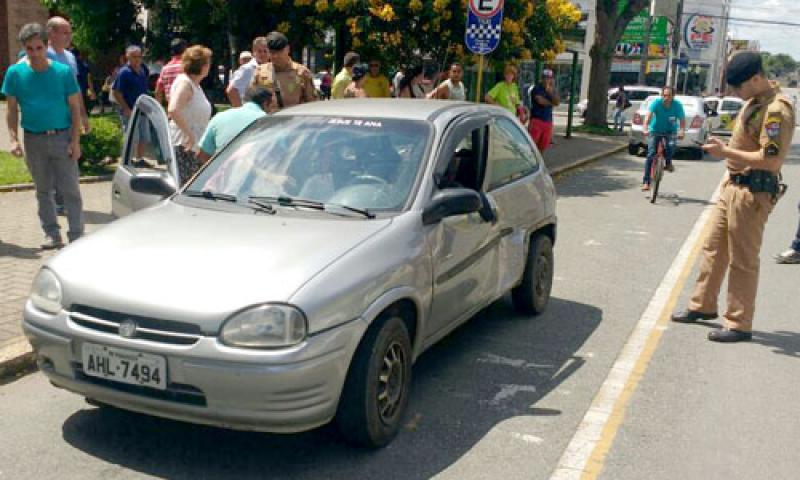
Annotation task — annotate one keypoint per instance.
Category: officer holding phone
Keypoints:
(761, 139)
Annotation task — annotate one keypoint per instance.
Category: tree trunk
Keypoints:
(611, 24)
(602, 55)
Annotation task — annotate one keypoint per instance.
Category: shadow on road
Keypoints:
(783, 343)
(16, 251)
(598, 179)
(97, 218)
(495, 367)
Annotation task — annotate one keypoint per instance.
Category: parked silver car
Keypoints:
(298, 275)
(698, 126)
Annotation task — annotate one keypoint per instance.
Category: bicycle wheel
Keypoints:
(658, 172)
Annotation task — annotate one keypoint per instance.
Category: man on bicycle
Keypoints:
(662, 121)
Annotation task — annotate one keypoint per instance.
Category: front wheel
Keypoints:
(533, 293)
(378, 385)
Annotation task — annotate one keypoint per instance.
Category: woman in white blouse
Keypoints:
(189, 110)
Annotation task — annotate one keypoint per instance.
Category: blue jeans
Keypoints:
(669, 149)
(796, 242)
(619, 119)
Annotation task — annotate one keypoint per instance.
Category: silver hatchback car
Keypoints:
(295, 279)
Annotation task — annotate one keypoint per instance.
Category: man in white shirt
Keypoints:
(244, 75)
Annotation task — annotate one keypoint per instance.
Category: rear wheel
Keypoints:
(378, 385)
(533, 293)
(633, 149)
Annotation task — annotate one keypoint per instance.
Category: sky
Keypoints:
(773, 38)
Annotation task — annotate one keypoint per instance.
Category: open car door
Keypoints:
(147, 152)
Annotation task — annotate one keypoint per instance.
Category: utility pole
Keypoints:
(675, 48)
(648, 28)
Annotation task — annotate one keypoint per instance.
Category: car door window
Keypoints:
(729, 106)
(145, 151)
(462, 169)
(510, 154)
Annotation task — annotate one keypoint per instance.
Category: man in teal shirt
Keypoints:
(226, 125)
(663, 117)
(47, 94)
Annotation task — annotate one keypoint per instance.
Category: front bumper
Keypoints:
(282, 391)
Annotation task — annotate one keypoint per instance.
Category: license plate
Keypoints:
(125, 366)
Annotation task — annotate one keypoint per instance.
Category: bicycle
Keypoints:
(658, 165)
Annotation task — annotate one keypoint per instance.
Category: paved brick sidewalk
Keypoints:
(20, 256)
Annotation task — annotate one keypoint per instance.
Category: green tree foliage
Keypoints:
(101, 28)
(779, 65)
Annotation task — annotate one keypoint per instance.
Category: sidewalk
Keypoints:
(20, 235)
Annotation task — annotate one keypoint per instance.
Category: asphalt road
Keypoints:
(502, 396)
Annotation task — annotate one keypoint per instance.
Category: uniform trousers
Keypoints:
(737, 229)
(48, 161)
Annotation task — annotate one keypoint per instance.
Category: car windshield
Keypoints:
(363, 163)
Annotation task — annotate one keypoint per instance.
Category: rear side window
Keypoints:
(639, 95)
(510, 155)
(731, 106)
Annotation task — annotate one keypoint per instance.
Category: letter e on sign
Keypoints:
(485, 8)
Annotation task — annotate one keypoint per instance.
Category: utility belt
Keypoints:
(46, 132)
(761, 181)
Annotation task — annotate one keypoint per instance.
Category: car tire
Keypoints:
(633, 149)
(697, 154)
(381, 366)
(533, 293)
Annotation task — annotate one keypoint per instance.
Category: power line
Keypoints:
(746, 20)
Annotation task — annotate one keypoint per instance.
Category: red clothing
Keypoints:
(541, 133)
(168, 74)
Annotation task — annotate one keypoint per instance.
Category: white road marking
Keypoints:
(592, 243)
(527, 438)
(510, 362)
(579, 451)
(508, 391)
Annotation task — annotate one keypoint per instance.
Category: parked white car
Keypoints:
(727, 109)
(697, 126)
(636, 95)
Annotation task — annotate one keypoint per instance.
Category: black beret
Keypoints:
(277, 41)
(742, 67)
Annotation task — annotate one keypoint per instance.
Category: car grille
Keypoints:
(175, 392)
(153, 329)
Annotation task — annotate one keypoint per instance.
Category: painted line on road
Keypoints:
(586, 453)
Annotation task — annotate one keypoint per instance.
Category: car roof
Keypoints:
(646, 88)
(394, 108)
(681, 98)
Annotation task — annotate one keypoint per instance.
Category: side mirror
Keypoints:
(153, 185)
(451, 202)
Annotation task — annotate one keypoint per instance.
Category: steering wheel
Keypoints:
(367, 179)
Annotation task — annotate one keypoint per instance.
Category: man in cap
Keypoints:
(243, 76)
(760, 141)
(345, 76)
(543, 97)
(171, 70)
(290, 82)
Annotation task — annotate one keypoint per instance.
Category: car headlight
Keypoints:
(46, 291)
(265, 326)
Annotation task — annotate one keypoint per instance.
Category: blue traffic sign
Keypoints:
(483, 33)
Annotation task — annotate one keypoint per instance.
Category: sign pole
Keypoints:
(480, 79)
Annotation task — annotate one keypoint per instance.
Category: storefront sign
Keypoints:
(699, 32)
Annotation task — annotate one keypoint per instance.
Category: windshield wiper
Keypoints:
(211, 195)
(314, 204)
(227, 197)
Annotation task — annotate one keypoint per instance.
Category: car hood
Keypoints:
(197, 265)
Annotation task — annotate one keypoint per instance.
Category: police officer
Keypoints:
(290, 82)
(759, 144)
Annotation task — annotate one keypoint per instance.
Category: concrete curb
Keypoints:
(20, 187)
(16, 358)
(589, 159)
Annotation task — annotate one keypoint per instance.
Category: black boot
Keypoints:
(689, 316)
(728, 335)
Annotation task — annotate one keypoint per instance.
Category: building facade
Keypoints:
(703, 47)
(13, 15)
